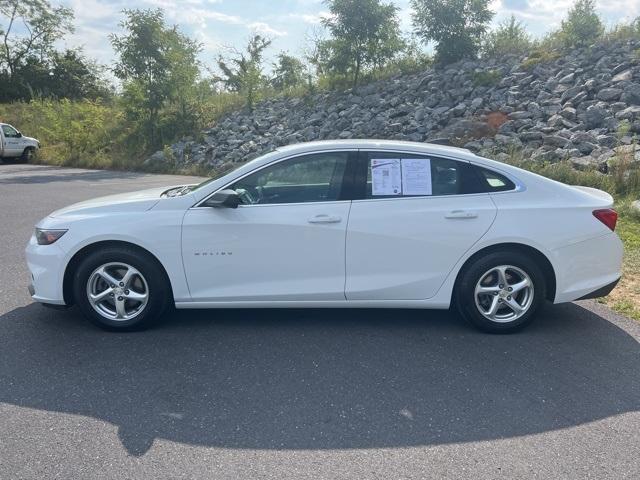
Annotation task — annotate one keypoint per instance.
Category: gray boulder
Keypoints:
(609, 94)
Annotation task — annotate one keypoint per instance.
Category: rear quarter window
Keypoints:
(491, 181)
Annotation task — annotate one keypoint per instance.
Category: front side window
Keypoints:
(309, 178)
(409, 175)
(9, 131)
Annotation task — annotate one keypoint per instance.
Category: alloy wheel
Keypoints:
(117, 291)
(504, 293)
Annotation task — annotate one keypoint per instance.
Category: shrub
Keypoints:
(486, 78)
(457, 26)
(582, 26)
(538, 57)
(509, 38)
(624, 32)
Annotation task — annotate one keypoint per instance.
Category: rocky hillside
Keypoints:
(583, 106)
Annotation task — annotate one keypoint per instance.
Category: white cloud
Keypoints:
(261, 27)
(310, 18)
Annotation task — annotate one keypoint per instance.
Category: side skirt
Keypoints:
(319, 304)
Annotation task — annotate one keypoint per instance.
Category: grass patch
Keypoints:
(538, 57)
(623, 182)
(625, 298)
(486, 78)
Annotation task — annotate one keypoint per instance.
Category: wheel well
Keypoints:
(540, 258)
(67, 285)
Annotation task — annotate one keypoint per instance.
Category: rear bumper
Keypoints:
(601, 292)
(587, 268)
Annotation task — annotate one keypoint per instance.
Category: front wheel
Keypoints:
(500, 293)
(121, 289)
(28, 155)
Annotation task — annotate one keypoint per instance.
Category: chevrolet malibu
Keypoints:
(334, 224)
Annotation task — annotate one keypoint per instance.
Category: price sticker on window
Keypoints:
(416, 176)
(386, 176)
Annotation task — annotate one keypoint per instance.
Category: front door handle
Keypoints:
(325, 219)
(461, 214)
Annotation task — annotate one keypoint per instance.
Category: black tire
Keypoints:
(28, 154)
(465, 300)
(159, 291)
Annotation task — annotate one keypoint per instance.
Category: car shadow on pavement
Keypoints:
(320, 379)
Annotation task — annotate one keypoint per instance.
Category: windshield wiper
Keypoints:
(178, 191)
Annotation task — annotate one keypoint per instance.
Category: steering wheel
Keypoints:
(259, 194)
(245, 196)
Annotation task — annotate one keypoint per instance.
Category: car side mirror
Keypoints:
(19, 135)
(223, 199)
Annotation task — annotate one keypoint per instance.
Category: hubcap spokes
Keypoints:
(504, 293)
(117, 291)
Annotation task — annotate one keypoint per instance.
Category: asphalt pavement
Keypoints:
(300, 394)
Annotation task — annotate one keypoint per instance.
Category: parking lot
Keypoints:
(300, 393)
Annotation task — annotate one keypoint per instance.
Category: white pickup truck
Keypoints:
(15, 145)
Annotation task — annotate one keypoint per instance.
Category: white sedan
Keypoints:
(334, 224)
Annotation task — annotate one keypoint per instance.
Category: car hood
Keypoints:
(139, 201)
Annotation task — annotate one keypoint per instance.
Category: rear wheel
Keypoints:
(500, 292)
(120, 289)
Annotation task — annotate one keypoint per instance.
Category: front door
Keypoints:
(286, 242)
(416, 218)
(13, 145)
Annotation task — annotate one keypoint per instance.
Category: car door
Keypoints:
(12, 142)
(286, 242)
(405, 235)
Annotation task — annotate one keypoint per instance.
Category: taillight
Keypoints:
(608, 216)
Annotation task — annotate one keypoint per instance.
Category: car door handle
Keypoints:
(325, 219)
(461, 214)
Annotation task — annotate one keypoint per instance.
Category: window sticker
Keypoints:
(386, 176)
(416, 176)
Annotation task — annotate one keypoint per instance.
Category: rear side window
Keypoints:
(392, 175)
(491, 181)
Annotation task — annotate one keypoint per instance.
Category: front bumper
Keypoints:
(46, 265)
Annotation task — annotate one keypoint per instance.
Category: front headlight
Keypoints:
(47, 237)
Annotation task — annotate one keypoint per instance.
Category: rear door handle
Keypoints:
(461, 214)
(325, 219)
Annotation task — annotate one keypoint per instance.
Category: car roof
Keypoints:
(374, 144)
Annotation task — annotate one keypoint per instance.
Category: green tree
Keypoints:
(364, 34)
(242, 72)
(510, 37)
(42, 24)
(288, 72)
(457, 26)
(67, 74)
(582, 25)
(72, 75)
(156, 63)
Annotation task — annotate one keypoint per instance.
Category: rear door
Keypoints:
(414, 217)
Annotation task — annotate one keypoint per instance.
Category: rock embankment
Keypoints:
(583, 106)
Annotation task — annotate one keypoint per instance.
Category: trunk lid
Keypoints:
(600, 198)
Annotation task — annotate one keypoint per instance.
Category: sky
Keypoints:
(220, 24)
